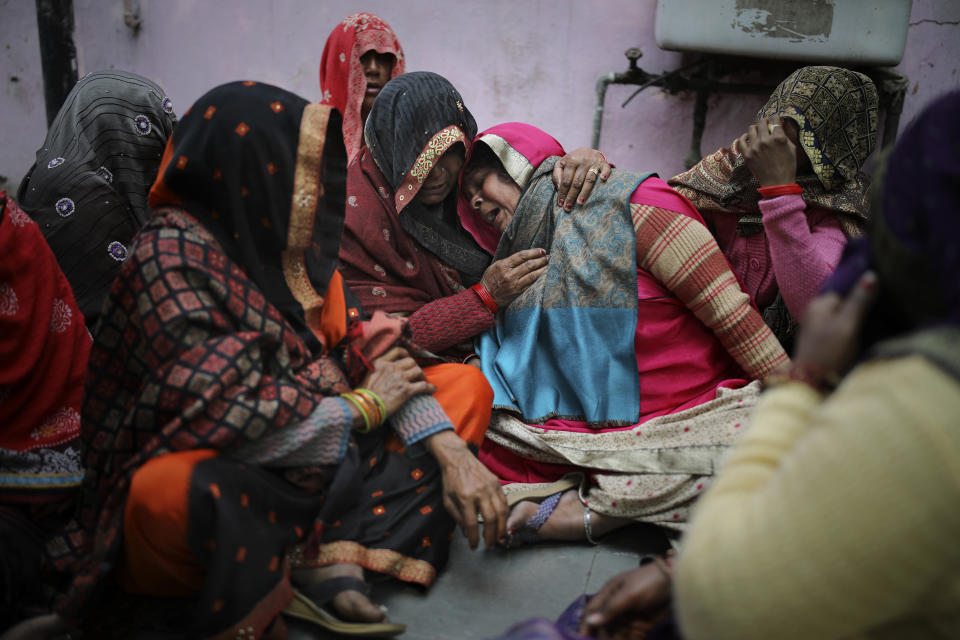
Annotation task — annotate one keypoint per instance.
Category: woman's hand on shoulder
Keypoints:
(576, 173)
(507, 278)
(396, 378)
(468, 489)
(768, 153)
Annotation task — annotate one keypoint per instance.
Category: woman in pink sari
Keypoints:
(623, 373)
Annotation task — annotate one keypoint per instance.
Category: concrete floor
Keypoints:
(483, 593)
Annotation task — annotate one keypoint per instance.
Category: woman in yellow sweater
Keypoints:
(836, 515)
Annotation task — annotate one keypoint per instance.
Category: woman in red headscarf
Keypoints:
(361, 54)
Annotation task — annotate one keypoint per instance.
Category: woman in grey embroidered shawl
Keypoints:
(88, 187)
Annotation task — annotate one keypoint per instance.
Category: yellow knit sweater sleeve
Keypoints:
(833, 518)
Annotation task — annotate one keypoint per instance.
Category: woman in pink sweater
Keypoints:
(782, 199)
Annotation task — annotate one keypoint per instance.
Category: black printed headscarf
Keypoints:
(233, 165)
(415, 119)
(88, 188)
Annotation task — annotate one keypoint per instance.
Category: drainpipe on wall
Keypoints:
(58, 55)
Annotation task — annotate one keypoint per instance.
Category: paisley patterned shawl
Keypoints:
(342, 80)
(564, 348)
(88, 188)
(836, 112)
(43, 347)
(200, 345)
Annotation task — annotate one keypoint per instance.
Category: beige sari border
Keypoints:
(307, 192)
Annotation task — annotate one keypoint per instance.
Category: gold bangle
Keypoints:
(370, 395)
(350, 397)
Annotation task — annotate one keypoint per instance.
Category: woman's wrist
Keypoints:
(485, 297)
(444, 445)
(372, 409)
(813, 375)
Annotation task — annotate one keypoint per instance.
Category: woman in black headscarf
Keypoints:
(88, 187)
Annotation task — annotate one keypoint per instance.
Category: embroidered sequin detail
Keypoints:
(106, 174)
(380, 270)
(379, 291)
(383, 192)
(62, 315)
(117, 251)
(352, 201)
(386, 234)
(437, 146)
(65, 207)
(409, 265)
(56, 162)
(9, 303)
(167, 105)
(276, 106)
(343, 57)
(63, 421)
(142, 124)
(18, 218)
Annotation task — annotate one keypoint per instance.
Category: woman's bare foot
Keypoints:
(350, 606)
(566, 521)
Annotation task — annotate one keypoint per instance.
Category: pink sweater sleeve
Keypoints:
(805, 247)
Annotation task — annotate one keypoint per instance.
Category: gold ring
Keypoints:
(594, 170)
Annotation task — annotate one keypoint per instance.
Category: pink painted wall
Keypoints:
(531, 60)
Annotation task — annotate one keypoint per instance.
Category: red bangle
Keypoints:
(780, 190)
(485, 297)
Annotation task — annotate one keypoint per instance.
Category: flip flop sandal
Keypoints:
(529, 532)
(540, 491)
(311, 604)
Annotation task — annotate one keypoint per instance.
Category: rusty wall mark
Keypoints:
(798, 20)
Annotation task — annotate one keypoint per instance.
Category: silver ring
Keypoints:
(771, 127)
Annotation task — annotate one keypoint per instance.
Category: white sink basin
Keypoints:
(856, 32)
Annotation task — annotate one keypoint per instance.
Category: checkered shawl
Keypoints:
(189, 355)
